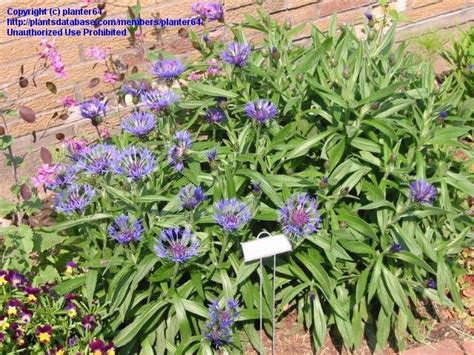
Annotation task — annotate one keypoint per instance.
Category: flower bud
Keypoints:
(259, 2)
(275, 54)
(196, 45)
(375, 105)
(300, 77)
(346, 73)
(391, 60)
(324, 183)
(287, 24)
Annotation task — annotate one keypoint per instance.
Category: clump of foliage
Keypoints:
(345, 146)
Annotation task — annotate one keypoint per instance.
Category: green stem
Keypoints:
(224, 247)
(173, 280)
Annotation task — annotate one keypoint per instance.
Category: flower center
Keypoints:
(299, 217)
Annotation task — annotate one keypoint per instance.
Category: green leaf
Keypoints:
(5, 141)
(76, 222)
(211, 90)
(91, 282)
(70, 285)
(308, 144)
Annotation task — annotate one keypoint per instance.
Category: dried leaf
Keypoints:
(2, 130)
(51, 87)
(22, 69)
(63, 116)
(27, 114)
(183, 33)
(94, 82)
(25, 192)
(23, 82)
(60, 136)
(134, 69)
(33, 133)
(46, 156)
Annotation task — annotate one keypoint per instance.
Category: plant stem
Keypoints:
(173, 279)
(224, 247)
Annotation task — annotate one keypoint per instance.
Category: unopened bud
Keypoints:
(287, 24)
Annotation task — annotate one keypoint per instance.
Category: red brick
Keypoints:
(468, 346)
(445, 347)
(420, 3)
(329, 7)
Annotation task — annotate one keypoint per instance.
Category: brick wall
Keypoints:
(17, 52)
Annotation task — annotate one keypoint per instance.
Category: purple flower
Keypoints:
(75, 198)
(261, 111)
(423, 192)
(299, 217)
(212, 155)
(32, 293)
(139, 123)
(26, 315)
(135, 162)
(177, 244)
(159, 100)
(178, 153)
(219, 328)
(76, 147)
(368, 15)
(13, 306)
(94, 110)
(125, 229)
(89, 322)
(98, 346)
(72, 341)
(191, 196)
(236, 54)
(211, 11)
(215, 115)
(16, 279)
(71, 310)
(44, 333)
(98, 159)
(396, 247)
(431, 283)
(134, 88)
(65, 175)
(231, 214)
(167, 69)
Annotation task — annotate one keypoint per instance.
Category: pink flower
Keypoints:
(46, 174)
(194, 76)
(104, 133)
(98, 53)
(68, 101)
(75, 147)
(49, 52)
(214, 67)
(111, 77)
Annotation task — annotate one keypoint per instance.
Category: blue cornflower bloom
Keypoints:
(212, 155)
(139, 123)
(98, 159)
(261, 111)
(423, 192)
(396, 247)
(236, 54)
(65, 176)
(177, 244)
(167, 69)
(134, 88)
(191, 196)
(211, 11)
(125, 229)
(219, 328)
(431, 283)
(135, 162)
(178, 152)
(215, 115)
(94, 110)
(74, 199)
(231, 214)
(159, 100)
(299, 217)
